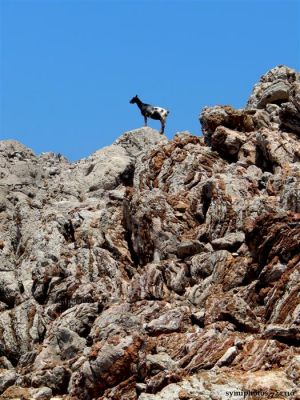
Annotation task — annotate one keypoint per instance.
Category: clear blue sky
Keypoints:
(69, 67)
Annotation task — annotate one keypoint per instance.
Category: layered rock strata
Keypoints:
(157, 269)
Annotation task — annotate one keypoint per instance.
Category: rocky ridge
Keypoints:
(157, 269)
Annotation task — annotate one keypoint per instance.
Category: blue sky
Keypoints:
(69, 67)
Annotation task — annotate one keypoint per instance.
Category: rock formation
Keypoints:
(157, 269)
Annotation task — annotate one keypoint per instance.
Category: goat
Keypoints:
(149, 111)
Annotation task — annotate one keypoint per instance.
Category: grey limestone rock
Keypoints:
(229, 242)
(41, 393)
(155, 268)
(7, 378)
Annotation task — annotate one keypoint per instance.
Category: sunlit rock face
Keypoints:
(154, 268)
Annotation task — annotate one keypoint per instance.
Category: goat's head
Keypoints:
(134, 99)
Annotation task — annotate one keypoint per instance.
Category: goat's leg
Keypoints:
(162, 127)
(145, 119)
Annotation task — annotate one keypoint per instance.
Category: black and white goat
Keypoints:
(149, 111)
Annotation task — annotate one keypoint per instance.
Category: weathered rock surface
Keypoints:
(157, 269)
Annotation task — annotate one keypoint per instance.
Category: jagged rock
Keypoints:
(226, 116)
(171, 321)
(202, 265)
(233, 309)
(198, 318)
(56, 379)
(209, 386)
(189, 248)
(116, 320)
(5, 363)
(16, 392)
(42, 393)
(9, 289)
(149, 285)
(7, 378)
(293, 370)
(289, 117)
(159, 362)
(282, 332)
(227, 141)
(228, 357)
(277, 92)
(272, 87)
(175, 274)
(289, 196)
(69, 343)
(136, 141)
(229, 242)
(109, 365)
(156, 268)
(282, 230)
(277, 148)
